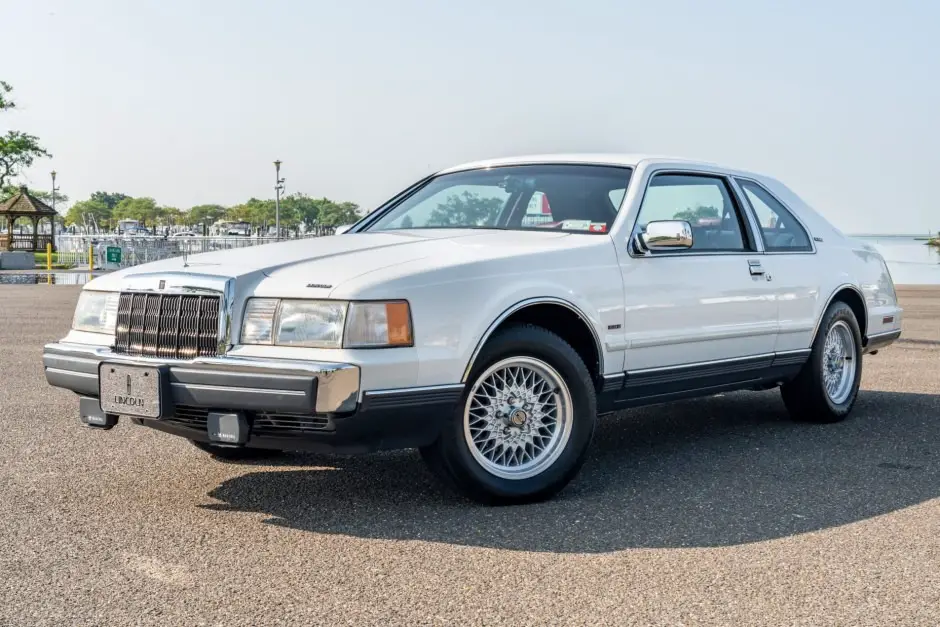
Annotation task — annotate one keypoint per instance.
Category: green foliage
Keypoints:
(701, 212)
(143, 209)
(204, 214)
(96, 208)
(109, 199)
(18, 150)
(337, 213)
(467, 209)
(40, 259)
(44, 196)
(255, 211)
(296, 210)
(5, 102)
(302, 209)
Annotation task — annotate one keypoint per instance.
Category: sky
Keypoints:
(190, 101)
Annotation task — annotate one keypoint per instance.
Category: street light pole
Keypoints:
(54, 190)
(278, 188)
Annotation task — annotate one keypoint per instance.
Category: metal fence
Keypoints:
(73, 249)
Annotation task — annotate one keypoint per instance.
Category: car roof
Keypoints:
(615, 159)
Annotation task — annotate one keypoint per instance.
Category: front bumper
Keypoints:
(231, 382)
(287, 404)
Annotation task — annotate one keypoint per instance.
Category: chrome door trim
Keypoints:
(676, 168)
(716, 362)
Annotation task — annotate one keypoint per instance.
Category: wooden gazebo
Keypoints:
(25, 205)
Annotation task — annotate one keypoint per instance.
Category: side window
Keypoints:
(780, 230)
(616, 197)
(705, 202)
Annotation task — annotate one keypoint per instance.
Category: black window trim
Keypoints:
(748, 224)
(367, 221)
(793, 214)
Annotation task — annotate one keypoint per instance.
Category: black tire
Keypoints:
(805, 396)
(235, 454)
(450, 457)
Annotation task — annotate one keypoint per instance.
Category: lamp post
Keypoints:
(278, 188)
(54, 190)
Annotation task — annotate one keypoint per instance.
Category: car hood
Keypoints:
(323, 263)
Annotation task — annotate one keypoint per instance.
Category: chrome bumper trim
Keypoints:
(248, 383)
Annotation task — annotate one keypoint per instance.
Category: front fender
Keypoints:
(453, 321)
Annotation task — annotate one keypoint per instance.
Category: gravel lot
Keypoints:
(717, 511)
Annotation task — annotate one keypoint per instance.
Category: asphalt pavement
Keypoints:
(714, 511)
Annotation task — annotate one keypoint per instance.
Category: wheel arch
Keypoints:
(581, 335)
(851, 296)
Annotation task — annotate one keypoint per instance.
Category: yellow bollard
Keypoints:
(48, 256)
(91, 258)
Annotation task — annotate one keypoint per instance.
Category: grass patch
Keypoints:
(40, 259)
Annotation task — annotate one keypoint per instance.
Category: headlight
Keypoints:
(96, 312)
(310, 323)
(327, 323)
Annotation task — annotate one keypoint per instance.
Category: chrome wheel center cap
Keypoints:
(518, 417)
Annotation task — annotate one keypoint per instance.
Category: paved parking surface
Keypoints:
(715, 511)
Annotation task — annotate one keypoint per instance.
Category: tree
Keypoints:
(143, 209)
(204, 214)
(77, 212)
(302, 209)
(44, 196)
(338, 214)
(5, 90)
(466, 209)
(700, 213)
(171, 216)
(109, 199)
(18, 150)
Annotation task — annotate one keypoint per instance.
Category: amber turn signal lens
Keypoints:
(399, 324)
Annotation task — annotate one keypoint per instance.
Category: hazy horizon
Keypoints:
(190, 103)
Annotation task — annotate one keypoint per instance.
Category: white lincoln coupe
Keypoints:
(487, 315)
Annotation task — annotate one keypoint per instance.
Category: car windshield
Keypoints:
(571, 198)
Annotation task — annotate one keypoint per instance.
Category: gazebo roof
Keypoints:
(25, 204)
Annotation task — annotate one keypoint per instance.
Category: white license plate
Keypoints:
(129, 390)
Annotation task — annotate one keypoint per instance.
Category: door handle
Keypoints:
(755, 267)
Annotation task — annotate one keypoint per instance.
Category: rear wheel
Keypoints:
(827, 386)
(235, 454)
(522, 429)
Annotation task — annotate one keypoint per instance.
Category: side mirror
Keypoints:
(342, 229)
(664, 235)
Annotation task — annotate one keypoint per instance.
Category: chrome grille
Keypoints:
(172, 326)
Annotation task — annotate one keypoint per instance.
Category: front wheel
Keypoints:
(827, 386)
(522, 429)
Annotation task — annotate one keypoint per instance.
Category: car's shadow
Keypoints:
(717, 471)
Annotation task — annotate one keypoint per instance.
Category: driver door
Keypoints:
(695, 314)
